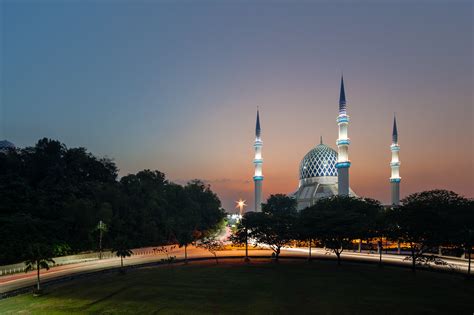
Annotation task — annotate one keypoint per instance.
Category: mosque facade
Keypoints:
(323, 171)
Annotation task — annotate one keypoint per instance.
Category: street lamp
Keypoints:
(102, 228)
(246, 245)
(241, 204)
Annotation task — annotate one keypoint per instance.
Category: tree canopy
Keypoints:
(274, 226)
(433, 218)
(336, 221)
(58, 195)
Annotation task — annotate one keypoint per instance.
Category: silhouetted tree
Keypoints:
(425, 220)
(240, 236)
(38, 256)
(340, 219)
(306, 228)
(122, 250)
(56, 187)
(212, 244)
(462, 226)
(275, 225)
(197, 213)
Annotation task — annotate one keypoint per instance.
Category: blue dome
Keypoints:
(320, 161)
(5, 144)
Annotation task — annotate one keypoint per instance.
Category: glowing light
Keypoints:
(241, 204)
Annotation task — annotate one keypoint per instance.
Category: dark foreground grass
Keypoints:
(258, 288)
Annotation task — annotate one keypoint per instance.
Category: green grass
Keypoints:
(258, 288)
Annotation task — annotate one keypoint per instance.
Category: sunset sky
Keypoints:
(174, 86)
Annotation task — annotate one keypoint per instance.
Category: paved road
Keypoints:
(16, 281)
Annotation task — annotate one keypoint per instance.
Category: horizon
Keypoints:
(158, 86)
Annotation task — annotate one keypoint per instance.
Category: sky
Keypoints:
(174, 86)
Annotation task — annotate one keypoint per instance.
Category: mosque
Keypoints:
(6, 145)
(323, 172)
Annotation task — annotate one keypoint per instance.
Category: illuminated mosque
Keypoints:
(323, 172)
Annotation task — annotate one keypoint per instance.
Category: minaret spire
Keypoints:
(321, 140)
(257, 126)
(395, 166)
(342, 97)
(394, 132)
(258, 161)
(343, 142)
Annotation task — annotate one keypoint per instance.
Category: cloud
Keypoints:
(183, 181)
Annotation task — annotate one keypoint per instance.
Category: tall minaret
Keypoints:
(343, 142)
(395, 166)
(258, 176)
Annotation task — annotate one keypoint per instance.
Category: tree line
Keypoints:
(425, 222)
(57, 201)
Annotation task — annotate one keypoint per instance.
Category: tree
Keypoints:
(166, 250)
(185, 236)
(144, 207)
(275, 225)
(382, 227)
(197, 213)
(425, 221)
(338, 220)
(206, 205)
(17, 232)
(306, 228)
(280, 204)
(462, 221)
(57, 187)
(391, 229)
(182, 218)
(38, 256)
(241, 234)
(211, 244)
(122, 250)
(60, 194)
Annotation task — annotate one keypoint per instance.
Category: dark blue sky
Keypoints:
(174, 86)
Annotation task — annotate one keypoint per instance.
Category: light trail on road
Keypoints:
(17, 281)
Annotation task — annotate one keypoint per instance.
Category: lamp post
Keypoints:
(469, 250)
(380, 248)
(246, 245)
(101, 227)
(241, 204)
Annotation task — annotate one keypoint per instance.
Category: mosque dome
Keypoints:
(5, 145)
(320, 161)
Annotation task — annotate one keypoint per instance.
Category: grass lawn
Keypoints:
(259, 288)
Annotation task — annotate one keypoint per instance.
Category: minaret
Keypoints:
(395, 166)
(258, 176)
(343, 142)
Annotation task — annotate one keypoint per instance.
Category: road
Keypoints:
(21, 280)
